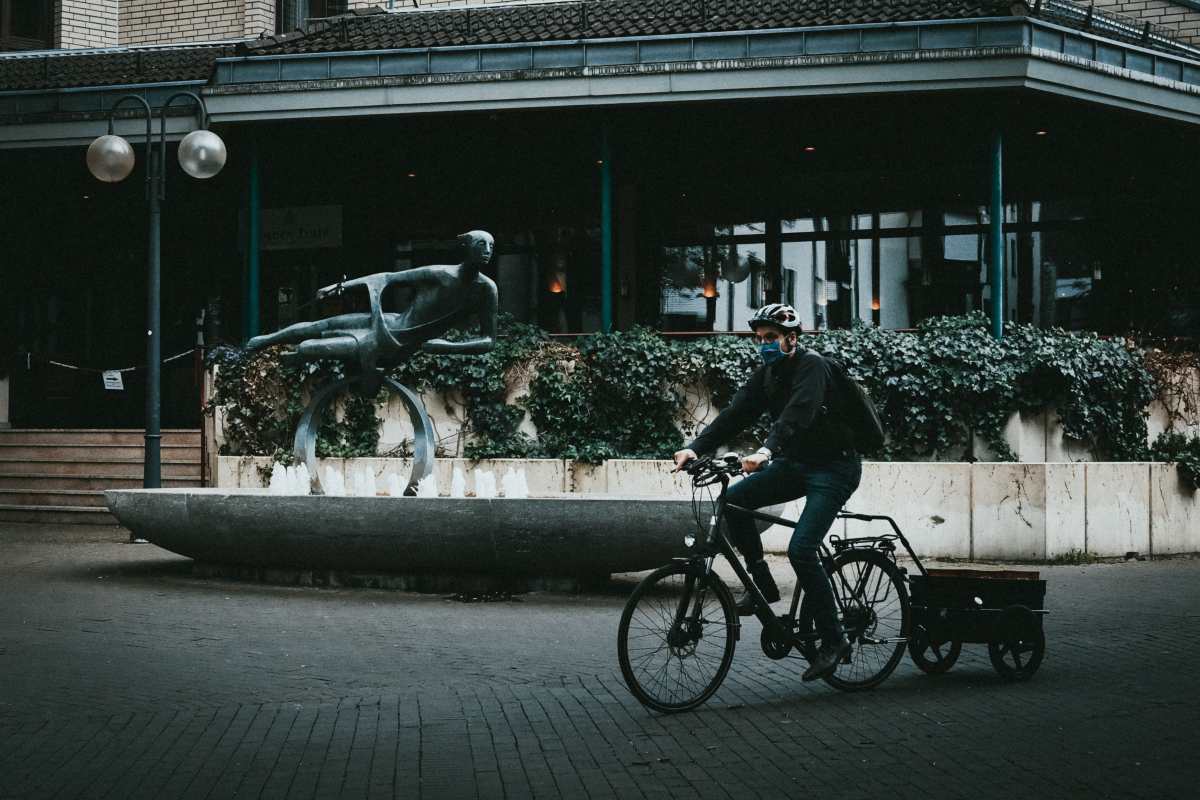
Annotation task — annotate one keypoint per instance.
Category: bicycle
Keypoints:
(679, 628)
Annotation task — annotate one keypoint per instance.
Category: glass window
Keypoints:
(895, 257)
(29, 19)
(899, 219)
(712, 287)
(742, 229)
(966, 215)
(25, 24)
(1064, 272)
(290, 15)
(887, 268)
(799, 225)
(964, 247)
(828, 281)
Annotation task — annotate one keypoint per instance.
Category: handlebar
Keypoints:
(706, 470)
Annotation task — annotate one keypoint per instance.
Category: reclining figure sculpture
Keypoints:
(442, 297)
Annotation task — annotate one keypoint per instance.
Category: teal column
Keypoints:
(253, 233)
(997, 236)
(606, 234)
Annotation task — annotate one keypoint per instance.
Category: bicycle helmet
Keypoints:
(778, 314)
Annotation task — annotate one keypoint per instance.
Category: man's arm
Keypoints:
(487, 329)
(417, 275)
(808, 393)
(746, 407)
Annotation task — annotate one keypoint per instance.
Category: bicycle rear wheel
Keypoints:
(876, 617)
(676, 638)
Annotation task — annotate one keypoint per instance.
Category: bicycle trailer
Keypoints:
(1000, 608)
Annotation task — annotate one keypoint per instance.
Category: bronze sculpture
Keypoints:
(440, 297)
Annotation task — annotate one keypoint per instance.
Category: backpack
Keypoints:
(857, 410)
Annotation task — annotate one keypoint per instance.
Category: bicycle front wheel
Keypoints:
(875, 617)
(676, 638)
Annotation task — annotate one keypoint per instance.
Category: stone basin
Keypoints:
(565, 535)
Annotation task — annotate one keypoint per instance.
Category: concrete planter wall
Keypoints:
(1000, 511)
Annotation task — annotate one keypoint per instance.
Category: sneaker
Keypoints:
(826, 661)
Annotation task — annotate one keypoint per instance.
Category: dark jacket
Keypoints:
(798, 392)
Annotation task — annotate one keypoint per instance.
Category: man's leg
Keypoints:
(778, 482)
(340, 347)
(828, 487)
(309, 330)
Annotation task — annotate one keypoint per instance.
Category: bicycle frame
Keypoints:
(717, 543)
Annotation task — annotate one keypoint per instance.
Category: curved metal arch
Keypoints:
(305, 447)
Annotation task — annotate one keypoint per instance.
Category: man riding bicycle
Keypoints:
(809, 452)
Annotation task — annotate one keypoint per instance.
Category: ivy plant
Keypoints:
(622, 394)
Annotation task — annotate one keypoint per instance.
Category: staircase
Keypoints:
(59, 476)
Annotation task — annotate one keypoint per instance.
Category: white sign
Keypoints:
(301, 228)
(113, 380)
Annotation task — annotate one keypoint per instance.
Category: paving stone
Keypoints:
(121, 675)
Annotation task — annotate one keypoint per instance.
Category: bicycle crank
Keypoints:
(776, 641)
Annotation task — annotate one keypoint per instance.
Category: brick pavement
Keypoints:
(121, 675)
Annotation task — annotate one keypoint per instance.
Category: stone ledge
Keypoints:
(987, 510)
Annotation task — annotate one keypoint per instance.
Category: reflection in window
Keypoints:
(828, 280)
(897, 268)
(712, 287)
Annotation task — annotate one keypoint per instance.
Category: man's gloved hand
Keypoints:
(682, 457)
(753, 462)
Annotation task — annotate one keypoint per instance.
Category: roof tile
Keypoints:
(375, 29)
(605, 18)
(109, 68)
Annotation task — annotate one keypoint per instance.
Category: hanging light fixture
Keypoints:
(556, 280)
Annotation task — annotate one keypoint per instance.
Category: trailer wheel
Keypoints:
(932, 658)
(1018, 645)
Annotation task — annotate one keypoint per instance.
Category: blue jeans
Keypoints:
(826, 486)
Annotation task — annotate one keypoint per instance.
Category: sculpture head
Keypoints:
(479, 246)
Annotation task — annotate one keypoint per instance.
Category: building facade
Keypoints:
(671, 163)
(74, 24)
(40, 24)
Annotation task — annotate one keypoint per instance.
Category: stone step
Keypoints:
(93, 452)
(133, 480)
(57, 515)
(117, 468)
(77, 436)
(90, 498)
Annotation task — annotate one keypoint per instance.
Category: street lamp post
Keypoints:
(110, 159)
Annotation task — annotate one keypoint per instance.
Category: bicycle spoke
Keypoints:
(874, 611)
(1016, 657)
(676, 639)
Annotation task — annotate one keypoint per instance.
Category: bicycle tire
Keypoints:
(886, 615)
(650, 659)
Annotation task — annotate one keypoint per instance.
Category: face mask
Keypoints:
(770, 352)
